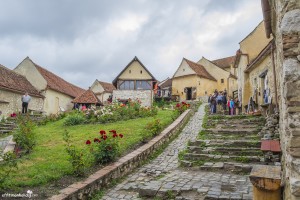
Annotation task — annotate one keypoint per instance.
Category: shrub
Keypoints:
(105, 148)
(24, 135)
(76, 156)
(119, 111)
(7, 165)
(52, 118)
(154, 127)
(74, 119)
(181, 107)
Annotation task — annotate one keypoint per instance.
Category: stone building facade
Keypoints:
(192, 81)
(135, 82)
(12, 88)
(145, 96)
(282, 21)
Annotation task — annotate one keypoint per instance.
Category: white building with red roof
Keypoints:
(12, 87)
(58, 93)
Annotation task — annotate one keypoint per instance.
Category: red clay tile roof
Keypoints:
(56, 83)
(224, 62)
(200, 70)
(87, 97)
(13, 81)
(108, 87)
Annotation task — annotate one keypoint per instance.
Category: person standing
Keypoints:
(214, 104)
(224, 102)
(228, 105)
(231, 107)
(209, 101)
(25, 101)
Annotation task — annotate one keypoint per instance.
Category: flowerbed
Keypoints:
(112, 113)
(49, 160)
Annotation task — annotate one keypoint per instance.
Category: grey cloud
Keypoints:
(76, 40)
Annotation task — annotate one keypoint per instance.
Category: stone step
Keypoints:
(241, 122)
(237, 126)
(225, 143)
(226, 151)
(229, 137)
(232, 167)
(7, 127)
(220, 158)
(5, 131)
(7, 123)
(231, 131)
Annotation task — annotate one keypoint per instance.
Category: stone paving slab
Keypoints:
(163, 177)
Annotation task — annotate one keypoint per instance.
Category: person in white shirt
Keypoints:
(25, 101)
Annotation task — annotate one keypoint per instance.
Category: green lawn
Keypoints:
(49, 160)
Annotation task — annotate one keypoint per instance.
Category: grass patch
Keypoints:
(48, 161)
(242, 159)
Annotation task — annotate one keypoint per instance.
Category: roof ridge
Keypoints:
(202, 69)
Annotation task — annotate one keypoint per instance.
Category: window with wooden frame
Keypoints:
(126, 85)
(143, 85)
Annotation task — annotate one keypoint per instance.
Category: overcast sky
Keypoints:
(95, 39)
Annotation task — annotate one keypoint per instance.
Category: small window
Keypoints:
(183, 69)
(141, 72)
(222, 80)
(205, 92)
(129, 71)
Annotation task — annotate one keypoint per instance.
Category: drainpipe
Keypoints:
(274, 75)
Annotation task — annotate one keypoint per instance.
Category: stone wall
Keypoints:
(125, 165)
(146, 96)
(286, 29)
(15, 104)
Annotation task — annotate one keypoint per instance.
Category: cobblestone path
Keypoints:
(162, 178)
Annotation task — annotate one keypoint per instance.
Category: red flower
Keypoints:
(88, 142)
(104, 137)
(102, 132)
(115, 135)
(96, 140)
(113, 131)
(178, 105)
(120, 135)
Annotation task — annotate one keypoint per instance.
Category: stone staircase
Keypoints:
(7, 126)
(227, 143)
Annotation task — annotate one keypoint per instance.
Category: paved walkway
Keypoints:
(163, 175)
